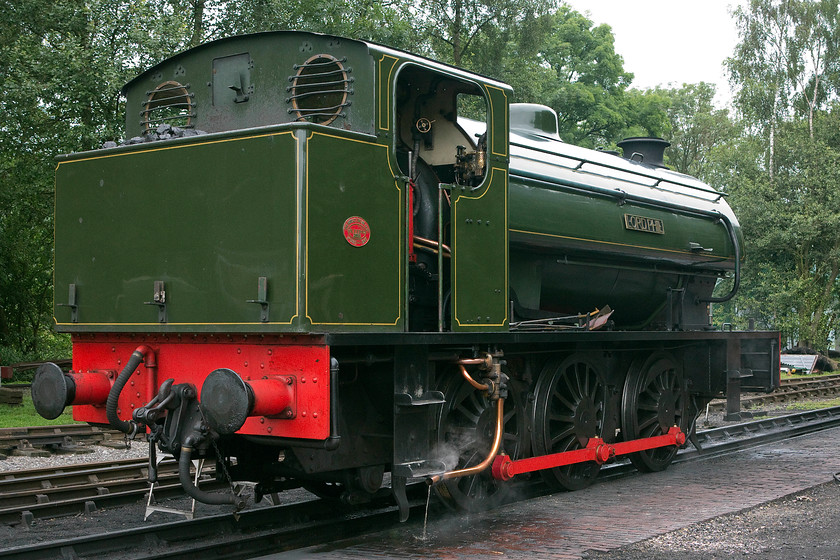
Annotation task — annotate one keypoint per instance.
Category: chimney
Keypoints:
(650, 151)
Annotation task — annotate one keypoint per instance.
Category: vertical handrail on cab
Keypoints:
(441, 186)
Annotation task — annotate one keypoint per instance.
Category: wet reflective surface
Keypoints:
(607, 515)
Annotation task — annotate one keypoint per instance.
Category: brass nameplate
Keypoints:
(641, 223)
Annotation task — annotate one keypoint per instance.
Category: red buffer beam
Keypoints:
(596, 450)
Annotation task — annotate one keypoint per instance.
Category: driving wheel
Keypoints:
(570, 407)
(654, 400)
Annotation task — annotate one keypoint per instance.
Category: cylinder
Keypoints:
(271, 396)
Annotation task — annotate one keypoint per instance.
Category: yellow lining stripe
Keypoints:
(164, 324)
(164, 148)
(658, 249)
(455, 298)
(385, 92)
(400, 226)
(505, 128)
(297, 250)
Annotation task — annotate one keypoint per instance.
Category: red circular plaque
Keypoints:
(356, 231)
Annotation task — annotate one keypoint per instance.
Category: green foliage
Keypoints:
(646, 114)
(792, 224)
(63, 64)
(813, 405)
(696, 127)
(458, 29)
(783, 168)
(590, 81)
(817, 375)
(786, 64)
(551, 55)
(509, 50)
(384, 22)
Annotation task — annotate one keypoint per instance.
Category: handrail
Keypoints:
(658, 180)
(737, 280)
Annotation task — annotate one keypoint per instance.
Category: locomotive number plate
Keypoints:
(641, 223)
(356, 231)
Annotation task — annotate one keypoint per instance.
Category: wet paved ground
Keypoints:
(610, 514)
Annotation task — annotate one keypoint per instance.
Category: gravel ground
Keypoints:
(804, 525)
(85, 454)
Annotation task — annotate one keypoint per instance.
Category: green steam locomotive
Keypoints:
(319, 260)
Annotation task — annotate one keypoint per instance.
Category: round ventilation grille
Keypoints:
(319, 90)
(169, 103)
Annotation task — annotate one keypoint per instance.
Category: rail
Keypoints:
(39, 436)
(792, 390)
(48, 493)
(302, 524)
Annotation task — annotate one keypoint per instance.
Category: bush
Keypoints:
(52, 346)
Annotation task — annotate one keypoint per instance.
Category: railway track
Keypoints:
(291, 526)
(83, 488)
(71, 490)
(68, 434)
(65, 435)
(790, 390)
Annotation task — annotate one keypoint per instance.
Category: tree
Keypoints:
(695, 127)
(817, 55)
(758, 68)
(63, 64)
(792, 226)
(457, 26)
(591, 81)
(510, 50)
(785, 72)
(806, 182)
(384, 21)
(784, 62)
(645, 114)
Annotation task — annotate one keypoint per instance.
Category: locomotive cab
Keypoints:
(436, 154)
(450, 139)
(428, 107)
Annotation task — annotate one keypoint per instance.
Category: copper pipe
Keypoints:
(471, 381)
(420, 247)
(497, 443)
(432, 244)
(472, 361)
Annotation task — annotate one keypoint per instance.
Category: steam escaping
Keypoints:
(460, 448)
